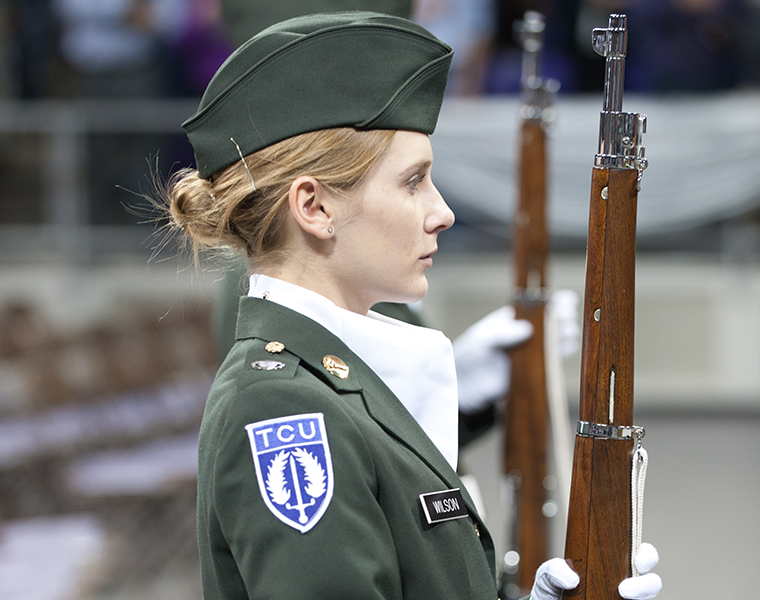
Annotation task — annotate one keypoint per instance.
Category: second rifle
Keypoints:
(526, 427)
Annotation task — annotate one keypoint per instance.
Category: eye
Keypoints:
(415, 181)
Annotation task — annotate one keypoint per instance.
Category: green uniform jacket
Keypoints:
(373, 541)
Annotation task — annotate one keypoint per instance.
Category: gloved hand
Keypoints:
(554, 576)
(482, 366)
(647, 585)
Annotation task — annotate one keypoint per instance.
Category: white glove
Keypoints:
(482, 366)
(645, 586)
(552, 578)
(555, 576)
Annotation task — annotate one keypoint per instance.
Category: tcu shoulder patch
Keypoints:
(294, 467)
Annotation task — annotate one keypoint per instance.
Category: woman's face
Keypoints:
(384, 248)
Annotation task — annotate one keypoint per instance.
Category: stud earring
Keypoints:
(329, 230)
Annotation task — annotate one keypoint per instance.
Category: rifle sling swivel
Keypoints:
(610, 432)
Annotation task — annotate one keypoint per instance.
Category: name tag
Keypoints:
(443, 506)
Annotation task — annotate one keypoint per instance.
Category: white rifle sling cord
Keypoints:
(559, 416)
(638, 475)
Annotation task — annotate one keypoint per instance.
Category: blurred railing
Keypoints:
(56, 172)
(73, 172)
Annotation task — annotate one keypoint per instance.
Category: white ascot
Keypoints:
(416, 363)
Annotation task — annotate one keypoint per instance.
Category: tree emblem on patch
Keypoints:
(293, 467)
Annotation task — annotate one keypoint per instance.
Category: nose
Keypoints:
(440, 217)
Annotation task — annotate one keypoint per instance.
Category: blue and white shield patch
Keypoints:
(294, 467)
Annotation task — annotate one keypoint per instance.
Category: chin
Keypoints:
(407, 296)
(418, 293)
(401, 289)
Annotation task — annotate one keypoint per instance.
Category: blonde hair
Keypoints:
(225, 212)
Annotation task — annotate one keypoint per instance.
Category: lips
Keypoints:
(427, 260)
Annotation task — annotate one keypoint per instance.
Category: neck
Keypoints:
(318, 278)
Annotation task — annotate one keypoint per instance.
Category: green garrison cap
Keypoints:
(349, 69)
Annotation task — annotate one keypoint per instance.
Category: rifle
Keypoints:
(603, 531)
(526, 425)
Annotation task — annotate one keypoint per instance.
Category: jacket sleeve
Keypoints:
(349, 553)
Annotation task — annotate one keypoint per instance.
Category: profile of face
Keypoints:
(384, 245)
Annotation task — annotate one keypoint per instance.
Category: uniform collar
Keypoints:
(416, 363)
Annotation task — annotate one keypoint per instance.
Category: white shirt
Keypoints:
(416, 363)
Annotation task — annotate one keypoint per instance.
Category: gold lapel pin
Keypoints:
(335, 366)
(274, 347)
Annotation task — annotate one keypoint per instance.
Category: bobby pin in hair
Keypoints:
(245, 164)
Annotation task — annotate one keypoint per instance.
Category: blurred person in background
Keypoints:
(200, 48)
(687, 45)
(750, 41)
(561, 58)
(115, 48)
(679, 45)
(469, 27)
(28, 35)
(134, 50)
(245, 18)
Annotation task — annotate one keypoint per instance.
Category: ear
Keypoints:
(312, 207)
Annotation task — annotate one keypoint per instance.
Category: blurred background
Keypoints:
(107, 346)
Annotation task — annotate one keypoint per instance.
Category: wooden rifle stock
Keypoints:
(526, 419)
(600, 541)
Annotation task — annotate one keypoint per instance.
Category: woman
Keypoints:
(328, 448)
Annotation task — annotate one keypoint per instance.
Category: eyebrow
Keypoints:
(421, 165)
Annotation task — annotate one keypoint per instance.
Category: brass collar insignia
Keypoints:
(335, 366)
